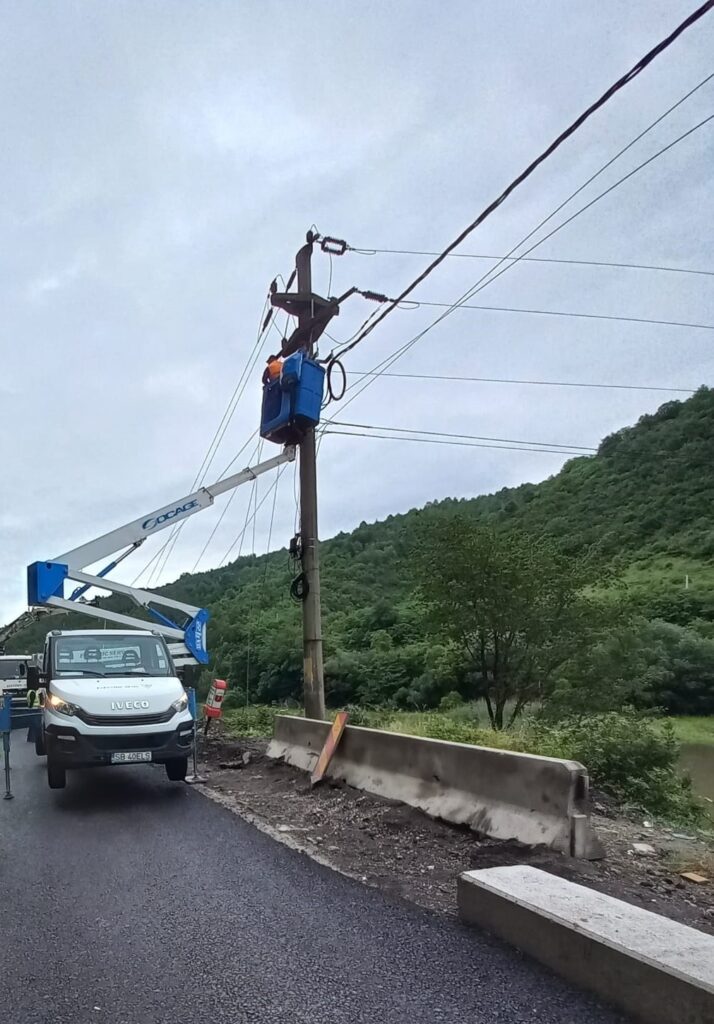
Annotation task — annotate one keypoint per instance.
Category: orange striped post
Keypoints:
(333, 738)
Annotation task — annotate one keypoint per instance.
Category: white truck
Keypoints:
(111, 697)
(13, 673)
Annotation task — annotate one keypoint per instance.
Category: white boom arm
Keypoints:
(168, 515)
(45, 580)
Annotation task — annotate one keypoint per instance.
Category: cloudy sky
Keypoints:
(161, 162)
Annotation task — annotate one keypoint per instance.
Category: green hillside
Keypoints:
(642, 504)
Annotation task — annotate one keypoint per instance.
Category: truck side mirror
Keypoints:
(33, 677)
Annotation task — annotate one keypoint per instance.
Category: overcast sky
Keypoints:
(161, 161)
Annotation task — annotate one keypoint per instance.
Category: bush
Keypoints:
(631, 757)
(254, 721)
(450, 701)
(233, 699)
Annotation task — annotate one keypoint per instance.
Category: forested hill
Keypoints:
(648, 490)
(644, 502)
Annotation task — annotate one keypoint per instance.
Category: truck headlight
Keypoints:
(181, 703)
(62, 707)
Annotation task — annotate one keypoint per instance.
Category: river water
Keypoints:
(698, 759)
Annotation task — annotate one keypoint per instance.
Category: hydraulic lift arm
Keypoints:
(46, 580)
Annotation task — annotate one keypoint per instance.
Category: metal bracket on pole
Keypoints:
(312, 311)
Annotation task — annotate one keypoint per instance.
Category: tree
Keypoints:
(514, 603)
(641, 664)
(684, 684)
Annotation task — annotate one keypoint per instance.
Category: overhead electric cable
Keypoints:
(266, 322)
(169, 543)
(542, 157)
(227, 505)
(608, 264)
(468, 437)
(458, 444)
(518, 380)
(389, 360)
(568, 313)
(260, 504)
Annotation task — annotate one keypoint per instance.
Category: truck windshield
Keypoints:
(12, 668)
(111, 656)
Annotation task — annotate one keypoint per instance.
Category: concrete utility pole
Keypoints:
(313, 313)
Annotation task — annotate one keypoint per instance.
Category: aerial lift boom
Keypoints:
(46, 580)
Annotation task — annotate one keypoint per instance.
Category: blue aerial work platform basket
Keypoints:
(292, 403)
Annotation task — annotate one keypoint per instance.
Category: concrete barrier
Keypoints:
(533, 800)
(657, 970)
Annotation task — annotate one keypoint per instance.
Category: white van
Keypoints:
(111, 697)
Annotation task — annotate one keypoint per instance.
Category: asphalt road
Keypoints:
(126, 899)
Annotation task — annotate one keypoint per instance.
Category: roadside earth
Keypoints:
(402, 851)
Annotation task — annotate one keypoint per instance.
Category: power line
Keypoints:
(227, 505)
(252, 500)
(483, 283)
(261, 590)
(513, 380)
(468, 437)
(567, 313)
(457, 444)
(270, 537)
(163, 547)
(238, 455)
(389, 361)
(262, 501)
(539, 259)
(167, 547)
(570, 130)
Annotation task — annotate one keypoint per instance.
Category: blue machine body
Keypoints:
(45, 579)
(292, 404)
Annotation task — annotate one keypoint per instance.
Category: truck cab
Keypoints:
(112, 697)
(13, 674)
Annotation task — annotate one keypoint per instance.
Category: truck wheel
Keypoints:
(56, 774)
(40, 743)
(176, 769)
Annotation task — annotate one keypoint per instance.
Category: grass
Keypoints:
(694, 730)
(465, 724)
(460, 725)
(633, 758)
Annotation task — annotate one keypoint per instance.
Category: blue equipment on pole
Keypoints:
(292, 402)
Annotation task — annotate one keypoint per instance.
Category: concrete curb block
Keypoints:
(533, 800)
(658, 970)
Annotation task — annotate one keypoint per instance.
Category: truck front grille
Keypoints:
(112, 720)
(143, 741)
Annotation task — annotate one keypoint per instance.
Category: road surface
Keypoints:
(126, 899)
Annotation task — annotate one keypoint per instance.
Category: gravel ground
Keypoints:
(402, 851)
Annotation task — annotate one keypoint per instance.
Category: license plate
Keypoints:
(131, 757)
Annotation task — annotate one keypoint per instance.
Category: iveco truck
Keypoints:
(111, 697)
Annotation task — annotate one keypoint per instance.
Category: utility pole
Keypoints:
(313, 671)
(313, 313)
